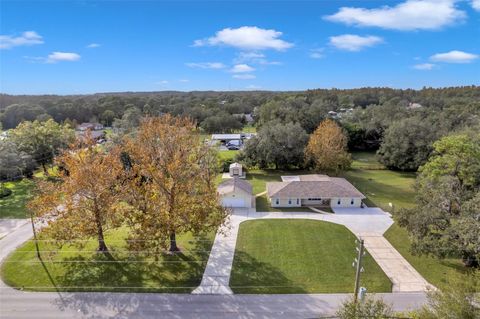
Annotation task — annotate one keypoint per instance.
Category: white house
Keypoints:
(235, 192)
(313, 190)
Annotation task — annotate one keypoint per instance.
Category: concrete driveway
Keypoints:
(362, 220)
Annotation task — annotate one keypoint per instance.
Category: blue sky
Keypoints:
(71, 47)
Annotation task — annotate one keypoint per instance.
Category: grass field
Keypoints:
(13, 206)
(384, 186)
(435, 271)
(299, 256)
(74, 269)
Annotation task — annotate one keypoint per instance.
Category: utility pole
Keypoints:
(34, 235)
(358, 264)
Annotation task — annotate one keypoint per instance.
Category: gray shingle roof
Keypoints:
(231, 184)
(313, 186)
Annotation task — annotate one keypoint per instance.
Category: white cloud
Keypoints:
(424, 66)
(55, 57)
(27, 38)
(352, 42)
(317, 53)
(253, 87)
(242, 68)
(184, 80)
(244, 76)
(93, 45)
(254, 58)
(163, 82)
(408, 15)
(454, 56)
(476, 4)
(206, 65)
(247, 38)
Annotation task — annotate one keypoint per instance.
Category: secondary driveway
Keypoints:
(366, 223)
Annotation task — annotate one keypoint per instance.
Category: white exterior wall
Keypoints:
(345, 202)
(283, 202)
(247, 198)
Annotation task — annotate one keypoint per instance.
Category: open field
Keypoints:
(299, 256)
(73, 269)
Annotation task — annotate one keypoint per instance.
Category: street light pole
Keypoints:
(358, 263)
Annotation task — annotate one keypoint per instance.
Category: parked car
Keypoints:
(233, 147)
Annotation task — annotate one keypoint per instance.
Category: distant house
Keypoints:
(235, 192)
(313, 190)
(414, 106)
(90, 126)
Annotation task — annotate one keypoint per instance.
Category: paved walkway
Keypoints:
(366, 223)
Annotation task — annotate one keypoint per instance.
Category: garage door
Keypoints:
(233, 202)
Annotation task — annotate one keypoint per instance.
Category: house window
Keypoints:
(338, 202)
(277, 201)
(289, 201)
(312, 199)
(352, 201)
(298, 201)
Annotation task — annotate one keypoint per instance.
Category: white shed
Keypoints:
(236, 192)
(235, 170)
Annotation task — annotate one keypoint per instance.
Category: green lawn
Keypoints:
(71, 269)
(366, 160)
(435, 271)
(299, 256)
(384, 186)
(13, 206)
(227, 155)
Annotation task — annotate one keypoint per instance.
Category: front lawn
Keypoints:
(299, 256)
(435, 271)
(74, 269)
(13, 206)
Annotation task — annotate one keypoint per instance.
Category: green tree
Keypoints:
(16, 113)
(107, 117)
(445, 220)
(457, 300)
(407, 143)
(281, 145)
(370, 308)
(13, 163)
(42, 140)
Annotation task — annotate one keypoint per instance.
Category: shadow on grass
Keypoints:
(250, 276)
(117, 272)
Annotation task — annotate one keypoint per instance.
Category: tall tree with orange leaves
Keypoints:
(327, 148)
(82, 200)
(170, 183)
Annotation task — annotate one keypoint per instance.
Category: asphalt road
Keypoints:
(19, 304)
